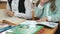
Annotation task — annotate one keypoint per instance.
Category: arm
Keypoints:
(38, 11)
(7, 7)
(56, 17)
(8, 12)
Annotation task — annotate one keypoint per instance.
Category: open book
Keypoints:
(9, 20)
(47, 24)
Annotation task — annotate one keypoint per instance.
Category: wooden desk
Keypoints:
(48, 31)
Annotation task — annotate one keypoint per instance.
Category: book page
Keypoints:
(15, 20)
(3, 14)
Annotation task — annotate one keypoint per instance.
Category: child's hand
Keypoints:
(42, 2)
(10, 13)
(42, 20)
(0, 22)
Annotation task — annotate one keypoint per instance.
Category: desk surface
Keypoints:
(48, 31)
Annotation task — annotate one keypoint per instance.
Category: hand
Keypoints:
(10, 13)
(42, 2)
(0, 22)
(42, 20)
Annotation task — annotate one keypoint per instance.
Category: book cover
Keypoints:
(4, 27)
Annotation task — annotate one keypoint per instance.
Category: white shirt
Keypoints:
(28, 7)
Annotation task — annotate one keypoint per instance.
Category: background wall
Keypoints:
(3, 4)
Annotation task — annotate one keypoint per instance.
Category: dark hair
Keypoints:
(52, 6)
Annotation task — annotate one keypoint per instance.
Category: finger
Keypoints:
(38, 20)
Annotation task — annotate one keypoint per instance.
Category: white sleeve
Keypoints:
(28, 14)
(49, 18)
(39, 6)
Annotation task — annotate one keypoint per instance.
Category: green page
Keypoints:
(25, 29)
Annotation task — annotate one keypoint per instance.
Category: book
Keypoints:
(3, 25)
(27, 26)
(4, 18)
(49, 24)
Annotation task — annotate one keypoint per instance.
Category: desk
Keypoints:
(49, 31)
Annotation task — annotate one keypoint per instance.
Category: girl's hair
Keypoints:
(52, 6)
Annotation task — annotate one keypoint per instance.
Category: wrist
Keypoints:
(42, 4)
(49, 18)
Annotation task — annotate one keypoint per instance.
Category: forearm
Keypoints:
(53, 18)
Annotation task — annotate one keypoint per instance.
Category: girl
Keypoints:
(48, 10)
(19, 8)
